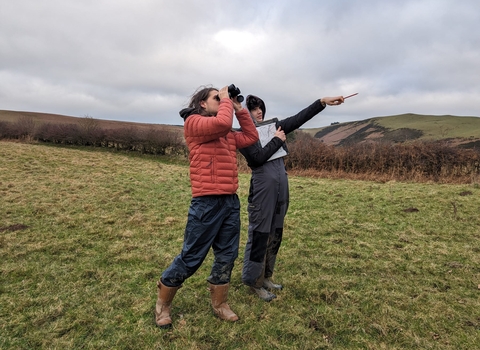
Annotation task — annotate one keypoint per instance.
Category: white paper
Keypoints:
(266, 132)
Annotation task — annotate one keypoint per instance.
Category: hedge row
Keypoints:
(415, 161)
(88, 133)
(418, 160)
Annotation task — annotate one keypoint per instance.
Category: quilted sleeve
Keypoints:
(249, 135)
(201, 129)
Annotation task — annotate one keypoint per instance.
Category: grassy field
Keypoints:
(85, 234)
(434, 127)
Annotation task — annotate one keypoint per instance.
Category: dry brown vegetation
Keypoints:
(412, 160)
(419, 161)
(409, 161)
(87, 131)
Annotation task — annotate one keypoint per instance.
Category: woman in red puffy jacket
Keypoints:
(214, 214)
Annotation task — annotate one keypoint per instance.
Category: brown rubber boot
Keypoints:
(219, 295)
(162, 308)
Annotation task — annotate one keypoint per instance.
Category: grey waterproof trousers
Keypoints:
(267, 207)
(213, 222)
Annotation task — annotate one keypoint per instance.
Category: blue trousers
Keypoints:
(213, 222)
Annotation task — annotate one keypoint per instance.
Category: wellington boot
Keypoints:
(263, 293)
(219, 295)
(164, 302)
(268, 284)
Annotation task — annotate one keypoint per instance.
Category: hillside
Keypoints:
(463, 131)
(39, 118)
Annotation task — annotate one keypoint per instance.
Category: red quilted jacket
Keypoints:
(213, 144)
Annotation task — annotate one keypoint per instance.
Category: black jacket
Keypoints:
(256, 155)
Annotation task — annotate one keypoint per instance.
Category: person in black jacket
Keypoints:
(269, 196)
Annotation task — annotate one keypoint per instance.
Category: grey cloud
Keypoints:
(141, 61)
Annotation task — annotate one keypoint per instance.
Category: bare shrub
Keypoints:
(404, 161)
(90, 132)
(6, 130)
(161, 142)
(123, 138)
(24, 128)
(306, 152)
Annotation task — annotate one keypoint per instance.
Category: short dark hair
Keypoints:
(254, 102)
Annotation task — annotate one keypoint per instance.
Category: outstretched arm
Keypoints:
(332, 101)
(294, 122)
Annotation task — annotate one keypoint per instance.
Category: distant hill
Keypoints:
(37, 117)
(461, 131)
(464, 131)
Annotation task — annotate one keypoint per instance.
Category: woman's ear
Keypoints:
(203, 104)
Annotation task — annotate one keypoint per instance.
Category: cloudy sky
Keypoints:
(141, 60)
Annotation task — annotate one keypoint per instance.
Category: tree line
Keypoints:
(435, 161)
(88, 132)
(408, 161)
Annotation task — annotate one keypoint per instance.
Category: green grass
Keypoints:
(435, 126)
(84, 235)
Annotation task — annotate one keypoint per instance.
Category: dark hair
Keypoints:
(254, 102)
(198, 96)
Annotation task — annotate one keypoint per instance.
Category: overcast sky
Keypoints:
(141, 60)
